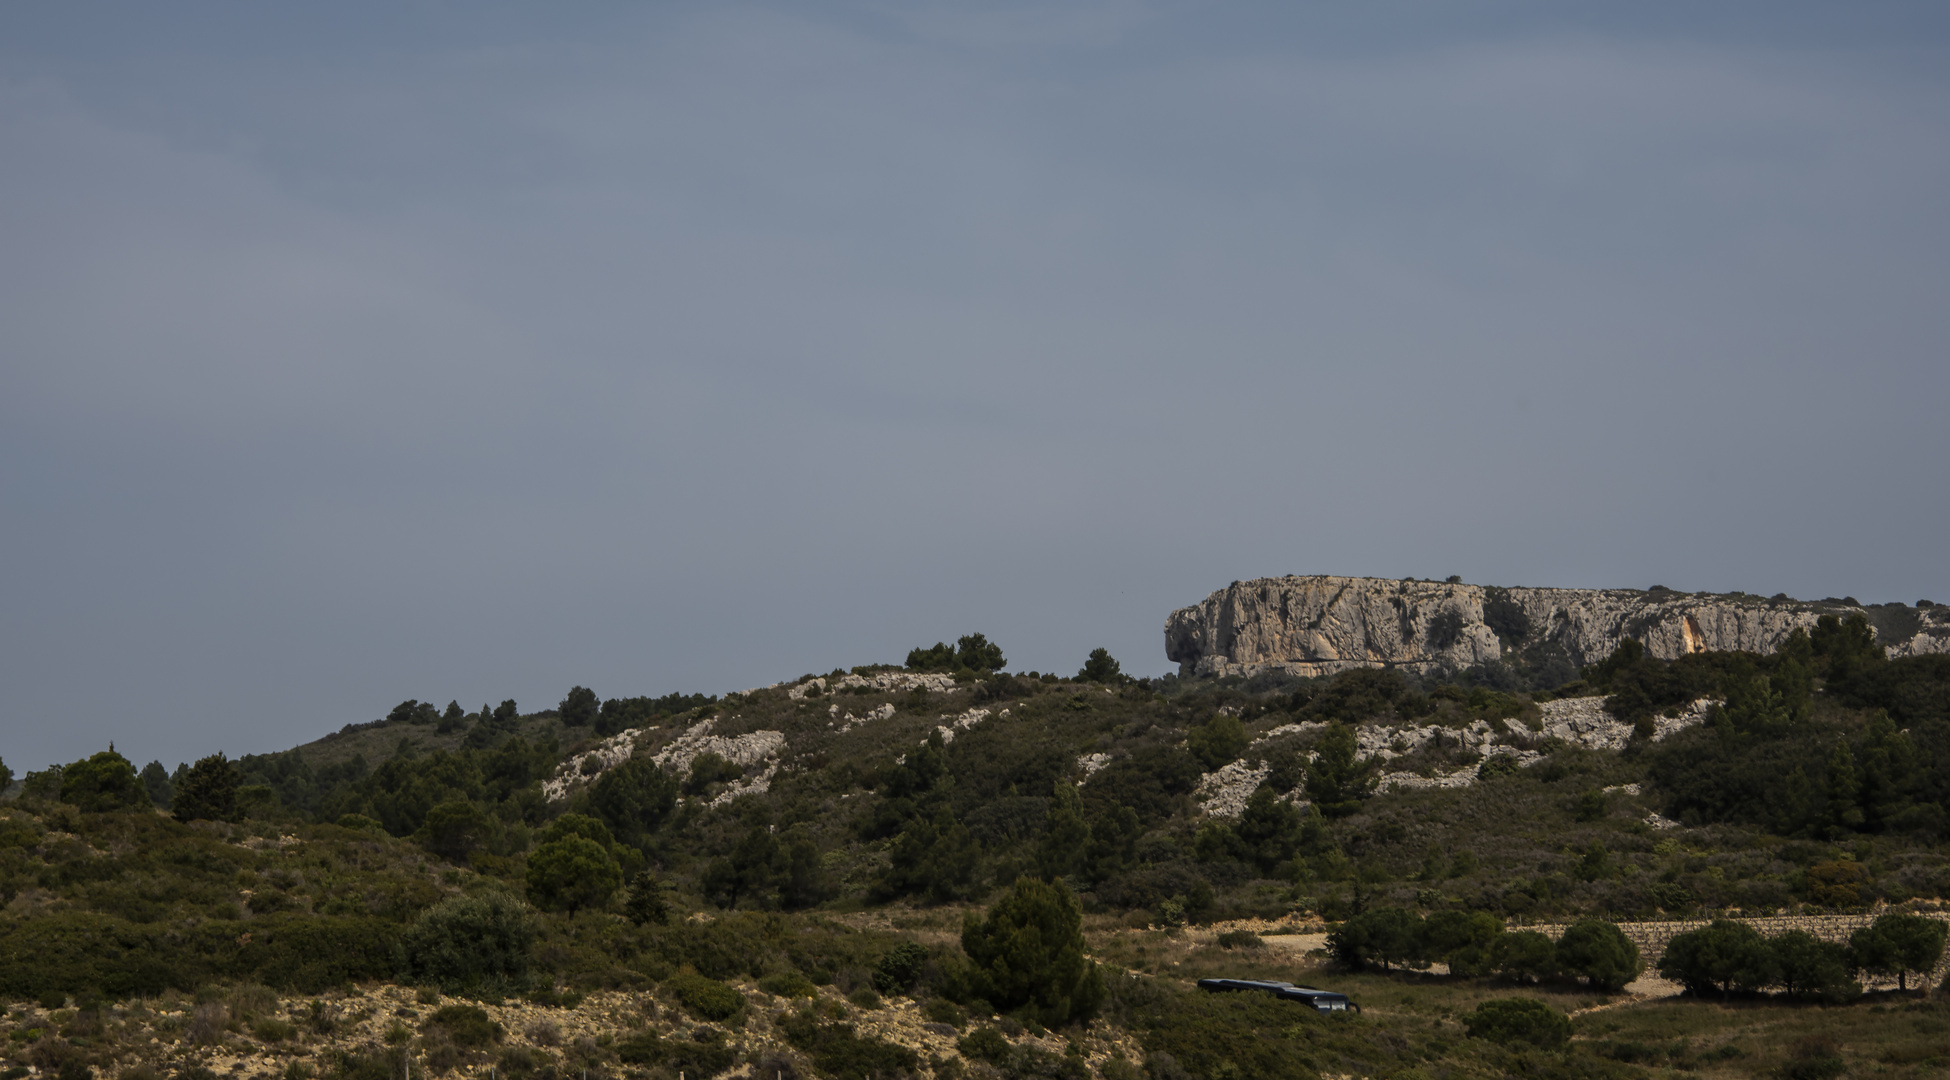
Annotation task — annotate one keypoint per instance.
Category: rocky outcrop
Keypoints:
(1321, 625)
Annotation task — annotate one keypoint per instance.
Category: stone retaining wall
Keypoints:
(1652, 937)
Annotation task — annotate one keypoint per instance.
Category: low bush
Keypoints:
(1511, 1020)
(790, 984)
(468, 1025)
(837, 1051)
(704, 1055)
(472, 944)
(1239, 939)
(708, 999)
(900, 969)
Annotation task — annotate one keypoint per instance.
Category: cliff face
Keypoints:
(1319, 625)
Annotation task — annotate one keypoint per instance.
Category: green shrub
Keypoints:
(707, 998)
(791, 984)
(1388, 936)
(984, 1044)
(272, 1031)
(900, 968)
(1898, 944)
(104, 781)
(703, 1055)
(1808, 967)
(571, 873)
(1523, 956)
(1240, 939)
(1601, 953)
(471, 943)
(1724, 956)
(1508, 1020)
(865, 998)
(469, 1025)
(943, 1011)
(838, 1052)
(1217, 741)
(1027, 954)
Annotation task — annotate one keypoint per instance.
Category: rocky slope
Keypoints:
(1318, 625)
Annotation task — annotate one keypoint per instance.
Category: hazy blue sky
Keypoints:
(357, 352)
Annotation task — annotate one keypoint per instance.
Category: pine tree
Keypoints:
(1028, 957)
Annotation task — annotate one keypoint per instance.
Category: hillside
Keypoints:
(778, 879)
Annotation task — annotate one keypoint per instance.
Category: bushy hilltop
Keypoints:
(809, 847)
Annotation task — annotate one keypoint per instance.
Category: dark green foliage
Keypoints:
(1386, 936)
(75, 952)
(571, 873)
(6, 776)
(413, 711)
(934, 857)
(1526, 1020)
(837, 1051)
(984, 1044)
(206, 790)
(647, 903)
(1898, 944)
(467, 1025)
(456, 829)
(708, 769)
(470, 944)
(1523, 956)
(900, 969)
(703, 1055)
(1101, 667)
(1810, 968)
(104, 781)
(155, 781)
(1027, 955)
(789, 984)
(708, 999)
(1152, 782)
(1217, 741)
(1337, 780)
(972, 653)
(635, 798)
(578, 707)
(1600, 953)
(1239, 939)
(978, 654)
(938, 657)
(618, 714)
(769, 870)
(1722, 957)
(1461, 939)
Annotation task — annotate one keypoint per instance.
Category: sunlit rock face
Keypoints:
(1318, 625)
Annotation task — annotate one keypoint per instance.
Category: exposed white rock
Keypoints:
(746, 750)
(882, 681)
(1223, 794)
(1318, 625)
(1584, 722)
(585, 767)
(755, 785)
(849, 721)
(962, 723)
(1090, 763)
(1405, 781)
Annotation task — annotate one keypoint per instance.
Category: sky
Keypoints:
(360, 352)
